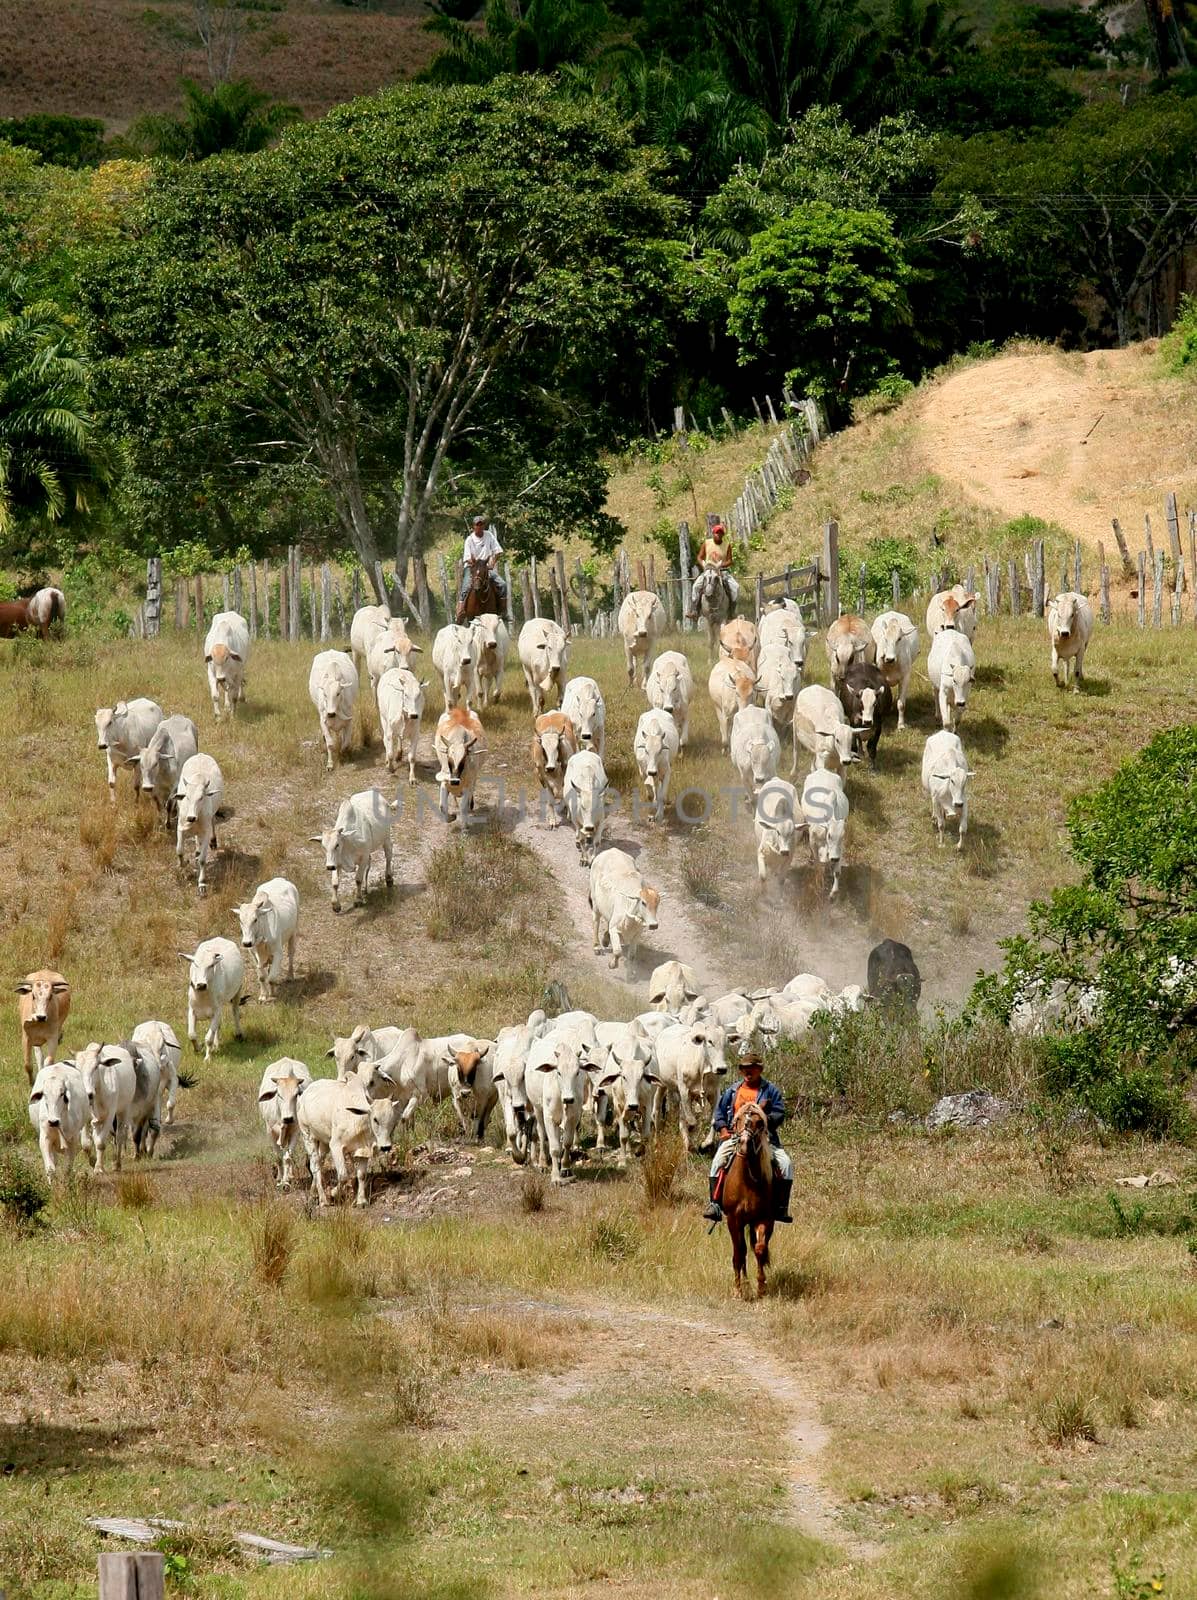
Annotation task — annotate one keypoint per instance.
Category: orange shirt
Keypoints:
(745, 1097)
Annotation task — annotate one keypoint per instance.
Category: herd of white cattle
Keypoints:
(544, 1073)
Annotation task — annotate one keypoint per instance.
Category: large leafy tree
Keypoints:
(375, 300)
(816, 294)
(1104, 199)
(1120, 946)
(49, 465)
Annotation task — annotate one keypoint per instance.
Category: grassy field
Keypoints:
(480, 1388)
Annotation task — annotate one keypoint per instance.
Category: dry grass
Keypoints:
(103, 60)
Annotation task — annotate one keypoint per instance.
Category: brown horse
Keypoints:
(35, 613)
(747, 1195)
(481, 596)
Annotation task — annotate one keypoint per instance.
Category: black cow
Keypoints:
(893, 973)
(861, 677)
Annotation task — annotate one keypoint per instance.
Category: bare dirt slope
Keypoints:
(1075, 439)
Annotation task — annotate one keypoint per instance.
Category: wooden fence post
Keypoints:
(199, 603)
(1077, 573)
(1193, 560)
(284, 617)
(582, 595)
(1142, 589)
(1173, 520)
(559, 562)
(325, 599)
(1038, 578)
(1157, 589)
(683, 559)
(1124, 553)
(132, 1575)
(895, 581)
(760, 595)
(446, 592)
(535, 590)
(265, 599)
(153, 597)
(1105, 593)
(1177, 591)
(253, 600)
(525, 593)
(1015, 590)
(296, 588)
(831, 569)
(312, 600)
(225, 602)
(182, 603)
(339, 598)
(355, 593)
(1148, 539)
(860, 593)
(238, 596)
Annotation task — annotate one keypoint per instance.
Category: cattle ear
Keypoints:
(183, 956)
(610, 1077)
(417, 650)
(26, 988)
(650, 1077)
(112, 1059)
(233, 656)
(35, 1096)
(548, 1066)
(498, 1077)
(60, 988)
(969, 773)
(698, 1038)
(268, 1094)
(315, 838)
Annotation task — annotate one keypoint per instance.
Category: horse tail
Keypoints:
(57, 607)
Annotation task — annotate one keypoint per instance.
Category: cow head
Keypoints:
(1065, 606)
(587, 795)
(220, 661)
(331, 842)
(652, 744)
(104, 719)
(51, 1095)
(458, 745)
(255, 919)
(551, 750)
(384, 1114)
(286, 1092)
(191, 795)
(204, 967)
(41, 988)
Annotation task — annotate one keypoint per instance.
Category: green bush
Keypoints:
(23, 1193)
(880, 558)
(1179, 350)
(887, 395)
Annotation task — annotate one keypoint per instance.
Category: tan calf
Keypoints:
(45, 1004)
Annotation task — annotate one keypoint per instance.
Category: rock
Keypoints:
(976, 1108)
(1052, 1323)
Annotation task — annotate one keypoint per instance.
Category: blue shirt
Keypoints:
(769, 1098)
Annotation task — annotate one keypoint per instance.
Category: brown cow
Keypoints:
(849, 639)
(738, 640)
(45, 1004)
(35, 613)
(553, 742)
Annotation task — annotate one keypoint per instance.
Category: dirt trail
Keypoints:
(1075, 439)
(679, 935)
(808, 1508)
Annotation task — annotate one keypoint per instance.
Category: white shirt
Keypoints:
(481, 547)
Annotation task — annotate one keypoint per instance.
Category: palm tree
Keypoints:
(787, 55)
(539, 37)
(918, 39)
(692, 111)
(230, 117)
(47, 455)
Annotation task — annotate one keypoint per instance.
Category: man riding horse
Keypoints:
(482, 550)
(714, 562)
(753, 1089)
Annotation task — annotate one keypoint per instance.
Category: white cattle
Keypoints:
(491, 641)
(670, 687)
(778, 681)
(623, 907)
(199, 797)
(512, 1045)
(553, 743)
(731, 685)
(226, 652)
(656, 747)
(544, 655)
(268, 924)
(586, 709)
(556, 1087)
(896, 640)
(822, 729)
(337, 1119)
(690, 1065)
(742, 1012)
(952, 608)
(215, 980)
(952, 670)
(278, 1105)
(584, 796)
(825, 809)
(945, 782)
(777, 822)
(175, 741)
(784, 630)
(417, 1071)
(400, 707)
(808, 986)
(629, 1081)
(671, 985)
(122, 733)
(58, 1110)
(1069, 624)
(332, 689)
(363, 1046)
(455, 657)
(389, 647)
(117, 1084)
(460, 751)
(755, 748)
(363, 825)
(1040, 1009)
(160, 1039)
(367, 622)
(641, 624)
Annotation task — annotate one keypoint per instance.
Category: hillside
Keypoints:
(970, 450)
(114, 59)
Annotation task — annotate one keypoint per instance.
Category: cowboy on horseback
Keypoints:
(481, 545)
(714, 561)
(753, 1089)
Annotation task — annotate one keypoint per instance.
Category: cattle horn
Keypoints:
(315, 838)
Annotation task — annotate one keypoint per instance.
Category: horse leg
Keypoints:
(739, 1250)
(760, 1249)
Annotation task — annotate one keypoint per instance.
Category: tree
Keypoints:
(1106, 197)
(379, 297)
(1125, 937)
(232, 116)
(541, 37)
(815, 295)
(64, 141)
(790, 54)
(48, 461)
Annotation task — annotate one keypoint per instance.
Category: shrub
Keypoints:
(888, 395)
(612, 1239)
(23, 1192)
(1178, 351)
(134, 1191)
(1068, 1417)
(662, 1161)
(271, 1243)
(532, 1190)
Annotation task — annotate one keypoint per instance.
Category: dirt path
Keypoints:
(1075, 439)
(808, 1508)
(679, 936)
